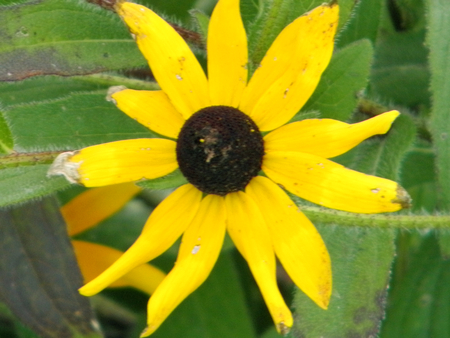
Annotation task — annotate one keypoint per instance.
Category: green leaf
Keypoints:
(345, 11)
(418, 177)
(201, 21)
(336, 94)
(73, 122)
(363, 24)
(273, 16)
(23, 183)
(6, 140)
(299, 8)
(419, 296)
(68, 123)
(438, 23)
(79, 39)
(400, 71)
(175, 10)
(39, 272)
(45, 88)
(250, 11)
(42, 88)
(444, 243)
(271, 19)
(407, 14)
(271, 333)
(361, 260)
(385, 153)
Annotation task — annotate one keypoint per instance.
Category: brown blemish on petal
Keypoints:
(325, 291)
(283, 329)
(63, 166)
(402, 198)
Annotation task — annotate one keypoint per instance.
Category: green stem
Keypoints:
(322, 215)
(114, 80)
(27, 159)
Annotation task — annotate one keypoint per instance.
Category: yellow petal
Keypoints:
(152, 109)
(326, 137)
(227, 54)
(117, 162)
(93, 259)
(297, 243)
(166, 223)
(95, 205)
(291, 69)
(198, 253)
(251, 236)
(173, 64)
(329, 184)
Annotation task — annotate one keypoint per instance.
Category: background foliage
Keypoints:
(57, 60)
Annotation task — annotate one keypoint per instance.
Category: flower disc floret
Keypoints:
(219, 150)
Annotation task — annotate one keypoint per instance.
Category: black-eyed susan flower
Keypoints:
(211, 128)
(87, 210)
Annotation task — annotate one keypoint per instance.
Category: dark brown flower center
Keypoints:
(219, 150)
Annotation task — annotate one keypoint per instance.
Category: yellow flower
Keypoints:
(213, 134)
(87, 210)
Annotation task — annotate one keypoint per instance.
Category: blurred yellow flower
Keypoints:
(213, 135)
(87, 210)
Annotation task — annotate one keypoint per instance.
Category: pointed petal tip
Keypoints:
(391, 115)
(133, 15)
(394, 113)
(322, 297)
(85, 291)
(93, 287)
(63, 166)
(402, 198)
(147, 332)
(324, 302)
(151, 327)
(389, 118)
(122, 6)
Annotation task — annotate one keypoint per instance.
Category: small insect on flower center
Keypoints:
(219, 150)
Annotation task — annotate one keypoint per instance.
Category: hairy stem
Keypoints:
(27, 159)
(402, 221)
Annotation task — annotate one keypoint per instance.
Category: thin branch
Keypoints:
(392, 220)
(27, 159)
